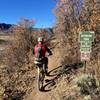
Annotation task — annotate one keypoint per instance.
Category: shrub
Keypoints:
(87, 84)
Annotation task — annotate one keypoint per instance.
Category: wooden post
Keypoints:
(85, 66)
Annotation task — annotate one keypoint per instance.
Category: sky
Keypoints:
(40, 10)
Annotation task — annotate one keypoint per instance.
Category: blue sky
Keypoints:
(41, 10)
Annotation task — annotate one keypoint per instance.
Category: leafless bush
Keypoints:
(17, 52)
(74, 16)
(17, 75)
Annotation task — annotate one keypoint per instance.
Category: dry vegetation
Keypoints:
(17, 74)
(18, 71)
(73, 16)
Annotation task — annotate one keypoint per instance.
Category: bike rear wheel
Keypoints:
(41, 76)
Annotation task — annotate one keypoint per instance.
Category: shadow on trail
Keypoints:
(56, 73)
(4, 42)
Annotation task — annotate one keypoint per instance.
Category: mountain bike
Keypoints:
(41, 71)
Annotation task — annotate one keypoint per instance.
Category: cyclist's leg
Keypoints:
(46, 65)
(40, 67)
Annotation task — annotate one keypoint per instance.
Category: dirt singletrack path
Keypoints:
(45, 95)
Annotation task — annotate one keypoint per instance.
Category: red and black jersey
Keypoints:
(43, 50)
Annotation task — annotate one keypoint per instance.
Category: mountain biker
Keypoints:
(40, 54)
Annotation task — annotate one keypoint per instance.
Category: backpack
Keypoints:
(38, 54)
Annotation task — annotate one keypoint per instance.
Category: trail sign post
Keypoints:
(86, 38)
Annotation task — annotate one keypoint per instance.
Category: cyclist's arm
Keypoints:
(48, 50)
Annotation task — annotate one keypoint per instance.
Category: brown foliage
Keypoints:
(17, 75)
(17, 52)
(19, 59)
(74, 16)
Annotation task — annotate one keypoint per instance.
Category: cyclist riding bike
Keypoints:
(40, 54)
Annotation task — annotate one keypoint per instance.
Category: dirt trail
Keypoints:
(37, 95)
(55, 71)
(6, 37)
(45, 95)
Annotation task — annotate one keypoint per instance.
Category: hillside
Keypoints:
(60, 76)
(5, 27)
(69, 78)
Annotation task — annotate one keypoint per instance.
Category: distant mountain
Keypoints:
(4, 26)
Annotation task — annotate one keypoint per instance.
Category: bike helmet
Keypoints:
(40, 39)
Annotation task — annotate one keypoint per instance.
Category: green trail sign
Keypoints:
(86, 38)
